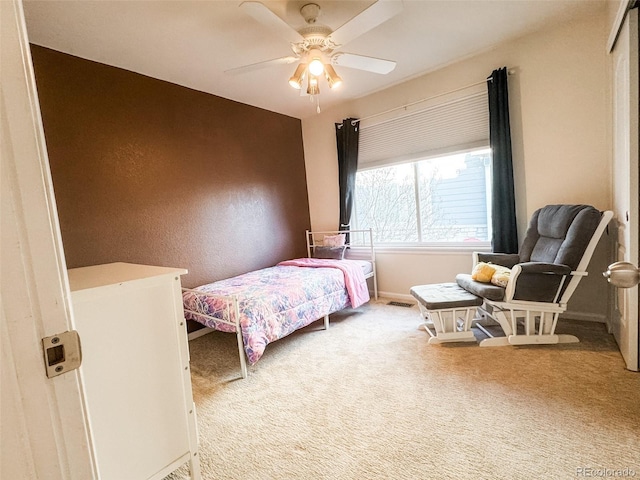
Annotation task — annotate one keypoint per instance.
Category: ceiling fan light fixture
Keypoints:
(333, 79)
(313, 88)
(316, 67)
(315, 45)
(296, 79)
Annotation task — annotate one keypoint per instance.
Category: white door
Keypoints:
(624, 319)
(45, 433)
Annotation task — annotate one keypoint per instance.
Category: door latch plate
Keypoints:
(62, 353)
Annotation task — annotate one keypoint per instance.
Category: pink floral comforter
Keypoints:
(354, 279)
(276, 301)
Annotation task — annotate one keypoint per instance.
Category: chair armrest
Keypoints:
(545, 268)
(504, 259)
(537, 282)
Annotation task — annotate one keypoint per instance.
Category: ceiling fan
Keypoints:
(316, 46)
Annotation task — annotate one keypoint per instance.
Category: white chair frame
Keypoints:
(508, 312)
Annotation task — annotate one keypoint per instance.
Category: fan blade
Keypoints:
(260, 65)
(360, 62)
(270, 20)
(378, 13)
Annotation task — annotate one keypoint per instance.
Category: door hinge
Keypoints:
(62, 353)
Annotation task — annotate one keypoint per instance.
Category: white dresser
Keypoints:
(135, 367)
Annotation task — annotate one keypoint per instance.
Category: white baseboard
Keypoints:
(568, 315)
(199, 333)
(397, 296)
(584, 316)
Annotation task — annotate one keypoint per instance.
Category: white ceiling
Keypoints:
(192, 43)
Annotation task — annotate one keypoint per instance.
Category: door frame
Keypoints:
(45, 429)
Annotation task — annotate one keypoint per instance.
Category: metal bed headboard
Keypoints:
(366, 235)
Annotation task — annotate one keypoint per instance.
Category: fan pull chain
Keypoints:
(315, 98)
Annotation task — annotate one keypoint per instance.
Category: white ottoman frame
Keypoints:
(448, 319)
(449, 324)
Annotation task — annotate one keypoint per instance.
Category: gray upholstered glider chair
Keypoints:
(553, 257)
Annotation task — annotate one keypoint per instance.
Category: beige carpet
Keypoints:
(369, 399)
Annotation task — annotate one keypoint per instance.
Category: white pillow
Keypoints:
(501, 276)
(334, 240)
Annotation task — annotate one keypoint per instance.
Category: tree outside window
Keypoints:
(432, 201)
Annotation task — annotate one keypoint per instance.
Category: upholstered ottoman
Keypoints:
(448, 309)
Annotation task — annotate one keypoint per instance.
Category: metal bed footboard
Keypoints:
(229, 315)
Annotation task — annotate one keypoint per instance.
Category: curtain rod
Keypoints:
(353, 122)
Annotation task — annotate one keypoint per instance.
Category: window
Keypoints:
(424, 176)
(429, 201)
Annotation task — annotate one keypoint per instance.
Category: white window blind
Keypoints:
(454, 126)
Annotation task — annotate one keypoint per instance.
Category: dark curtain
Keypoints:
(503, 213)
(347, 135)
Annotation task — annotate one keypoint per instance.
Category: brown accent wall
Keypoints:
(146, 171)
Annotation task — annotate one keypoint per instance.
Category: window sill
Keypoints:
(429, 249)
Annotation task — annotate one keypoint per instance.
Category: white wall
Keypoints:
(560, 124)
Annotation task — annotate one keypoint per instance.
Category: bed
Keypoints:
(265, 305)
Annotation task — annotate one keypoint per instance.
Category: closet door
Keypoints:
(624, 318)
